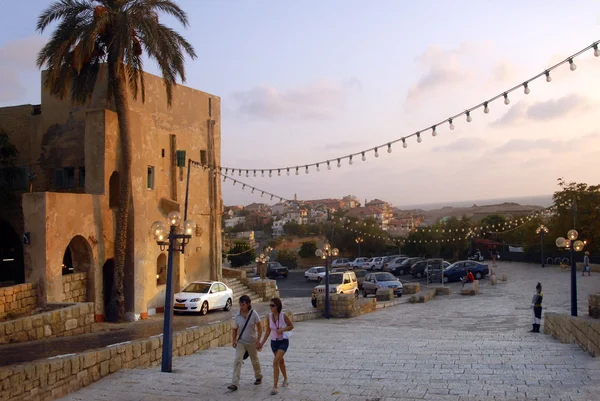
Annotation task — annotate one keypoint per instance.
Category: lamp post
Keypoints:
(172, 239)
(574, 245)
(542, 230)
(326, 253)
(359, 241)
(261, 261)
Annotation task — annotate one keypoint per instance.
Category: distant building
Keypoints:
(247, 235)
(257, 207)
(234, 221)
(364, 212)
(278, 209)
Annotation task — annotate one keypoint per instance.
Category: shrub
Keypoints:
(241, 254)
(308, 248)
(287, 258)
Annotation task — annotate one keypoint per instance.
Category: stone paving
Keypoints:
(451, 348)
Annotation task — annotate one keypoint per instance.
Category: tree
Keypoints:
(91, 32)
(293, 228)
(307, 250)
(241, 254)
(287, 258)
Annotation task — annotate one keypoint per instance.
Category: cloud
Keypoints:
(318, 100)
(463, 145)
(515, 113)
(551, 145)
(18, 56)
(545, 110)
(343, 145)
(504, 71)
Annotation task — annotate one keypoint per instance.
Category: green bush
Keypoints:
(287, 258)
(308, 248)
(241, 254)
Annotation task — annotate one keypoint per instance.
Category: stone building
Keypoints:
(69, 209)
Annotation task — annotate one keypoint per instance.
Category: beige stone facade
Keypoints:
(70, 213)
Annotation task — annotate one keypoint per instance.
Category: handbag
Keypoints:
(246, 354)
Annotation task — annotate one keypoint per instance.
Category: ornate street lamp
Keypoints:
(542, 230)
(574, 245)
(359, 241)
(261, 262)
(326, 253)
(172, 239)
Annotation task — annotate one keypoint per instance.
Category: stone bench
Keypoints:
(442, 290)
(411, 288)
(385, 294)
(503, 277)
(423, 296)
(470, 288)
(493, 280)
(594, 306)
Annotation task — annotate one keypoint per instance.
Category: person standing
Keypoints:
(278, 327)
(586, 264)
(247, 324)
(536, 305)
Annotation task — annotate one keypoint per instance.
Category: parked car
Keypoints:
(275, 270)
(393, 263)
(315, 274)
(339, 269)
(459, 269)
(374, 264)
(340, 263)
(203, 296)
(376, 281)
(339, 283)
(404, 266)
(417, 269)
(358, 263)
(360, 276)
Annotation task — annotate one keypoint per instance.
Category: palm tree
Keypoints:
(115, 32)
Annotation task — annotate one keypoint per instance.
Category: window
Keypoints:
(203, 157)
(64, 178)
(161, 269)
(150, 177)
(113, 190)
(82, 176)
(210, 107)
(20, 179)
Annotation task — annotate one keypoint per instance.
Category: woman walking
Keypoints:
(586, 264)
(536, 305)
(279, 326)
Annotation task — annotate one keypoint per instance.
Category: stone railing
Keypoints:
(346, 305)
(70, 320)
(53, 378)
(583, 331)
(265, 289)
(17, 299)
(594, 305)
(75, 287)
(233, 273)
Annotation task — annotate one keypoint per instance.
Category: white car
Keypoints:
(374, 264)
(340, 263)
(315, 274)
(202, 296)
(358, 263)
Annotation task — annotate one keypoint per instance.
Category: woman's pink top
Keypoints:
(277, 325)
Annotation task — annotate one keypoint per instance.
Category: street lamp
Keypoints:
(359, 241)
(574, 245)
(542, 230)
(261, 261)
(326, 253)
(172, 239)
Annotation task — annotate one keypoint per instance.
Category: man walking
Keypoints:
(246, 333)
(536, 305)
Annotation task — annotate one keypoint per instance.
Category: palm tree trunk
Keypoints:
(117, 82)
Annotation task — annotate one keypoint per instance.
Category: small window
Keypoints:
(203, 157)
(161, 269)
(20, 179)
(113, 190)
(82, 176)
(150, 177)
(69, 177)
(59, 178)
(210, 107)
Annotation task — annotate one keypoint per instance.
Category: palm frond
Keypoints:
(164, 6)
(62, 9)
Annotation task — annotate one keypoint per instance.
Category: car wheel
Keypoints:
(478, 276)
(306, 277)
(419, 275)
(204, 308)
(365, 293)
(446, 280)
(320, 279)
(313, 303)
(227, 305)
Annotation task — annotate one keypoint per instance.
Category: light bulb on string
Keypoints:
(433, 131)
(246, 173)
(288, 171)
(572, 65)
(486, 109)
(255, 173)
(389, 148)
(252, 190)
(270, 173)
(262, 194)
(451, 124)
(262, 173)
(318, 168)
(306, 171)
(506, 99)
(339, 163)
(297, 170)
(279, 172)
(596, 51)
(234, 182)
(548, 77)
(469, 119)
(526, 89)
(271, 197)
(364, 158)
(404, 144)
(350, 160)
(243, 187)
(239, 173)
(419, 139)
(376, 153)
(328, 165)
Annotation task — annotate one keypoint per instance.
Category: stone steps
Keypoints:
(240, 289)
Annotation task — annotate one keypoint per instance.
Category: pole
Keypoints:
(167, 350)
(542, 232)
(187, 193)
(327, 287)
(573, 269)
(359, 249)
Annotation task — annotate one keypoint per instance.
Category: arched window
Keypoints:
(114, 185)
(161, 269)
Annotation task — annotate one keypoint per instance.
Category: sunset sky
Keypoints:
(307, 81)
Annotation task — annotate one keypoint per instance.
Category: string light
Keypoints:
(526, 89)
(288, 171)
(364, 158)
(390, 147)
(572, 65)
(596, 50)
(486, 109)
(419, 137)
(433, 131)
(404, 144)
(376, 153)
(506, 99)
(350, 160)
(548, 77)
(328, 165)
(451, 124)
(297, 170)
(339, 163)
(318, 168)
(469, 119)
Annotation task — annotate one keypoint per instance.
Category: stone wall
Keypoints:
(17, 299)
(583, 331)
(265, 289)
(594, 305)
(233, 273)
(75, 287)
(68, 321)
(50, 379)
(346, 305)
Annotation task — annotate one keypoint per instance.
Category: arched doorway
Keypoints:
(161, 269)
(11, 256)
(108, 280)
(78, 258)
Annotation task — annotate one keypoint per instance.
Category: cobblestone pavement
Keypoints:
(451, 348)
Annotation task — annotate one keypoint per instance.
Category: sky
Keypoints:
(307, 81)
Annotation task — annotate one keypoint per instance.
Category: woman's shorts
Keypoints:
(277, 345)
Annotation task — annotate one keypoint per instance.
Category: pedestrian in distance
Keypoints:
(247, 342)
(586, 264)
(536, 305)
(279, 328)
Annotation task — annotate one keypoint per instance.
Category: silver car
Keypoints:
(376, 281)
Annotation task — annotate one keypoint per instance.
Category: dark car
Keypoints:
(275, 270)
(404, 266)
(457, 270)
(360, 277)
(417, 269)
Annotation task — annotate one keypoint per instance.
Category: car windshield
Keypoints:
(274, 264)
(320, 270)
(336, 278)
(385, 277)
(407, 262)
(198, 287)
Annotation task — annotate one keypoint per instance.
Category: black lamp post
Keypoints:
(574, 245)
(359, 241)
(172, 239)
(326, 253)
(542, 230)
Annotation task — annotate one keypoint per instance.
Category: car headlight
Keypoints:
(194, 300)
